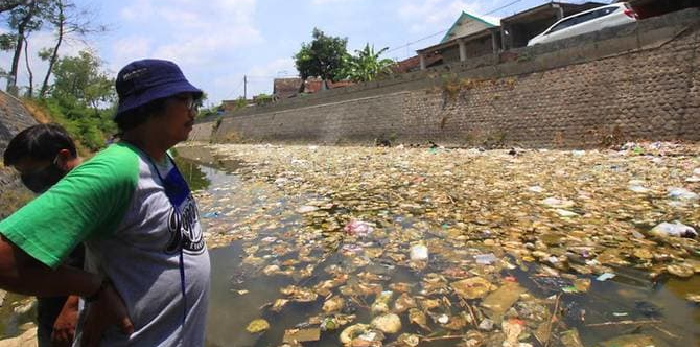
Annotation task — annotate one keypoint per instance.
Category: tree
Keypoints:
(365, 65)
(322, 57)
(7, 5)
(23, 19)
(82, 98)
(78, 81)
(65, 16)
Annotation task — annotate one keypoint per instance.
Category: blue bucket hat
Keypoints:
(146, 80)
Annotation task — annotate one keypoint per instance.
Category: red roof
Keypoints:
(413, 63)
(313, 85)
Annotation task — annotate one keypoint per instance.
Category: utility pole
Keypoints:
(245, 87)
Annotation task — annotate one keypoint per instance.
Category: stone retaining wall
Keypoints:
(639, 81)
(13, 119)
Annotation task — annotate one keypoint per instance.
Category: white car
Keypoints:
(587, 21)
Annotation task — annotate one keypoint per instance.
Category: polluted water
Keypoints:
(406, 246)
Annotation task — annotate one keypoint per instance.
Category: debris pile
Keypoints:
(411, 246)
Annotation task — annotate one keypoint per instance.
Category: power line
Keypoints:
(443, 31)
(237, 89)
(502, 7)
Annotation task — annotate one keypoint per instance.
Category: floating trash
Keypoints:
(258, 325)
(389, 323)
(682, 194)
(409, 246)
(677, 229)
(485, 258)
(606, 276)
(419, 252)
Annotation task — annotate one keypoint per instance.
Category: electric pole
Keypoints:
(245, 87)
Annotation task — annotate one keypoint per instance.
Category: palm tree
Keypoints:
(365, 65)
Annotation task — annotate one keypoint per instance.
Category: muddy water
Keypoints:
(16, 311)
(598, 314)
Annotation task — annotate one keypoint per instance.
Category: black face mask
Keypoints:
(40, 181)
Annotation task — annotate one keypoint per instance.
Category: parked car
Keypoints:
(587, 21)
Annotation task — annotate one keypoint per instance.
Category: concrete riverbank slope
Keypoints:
(636, 82)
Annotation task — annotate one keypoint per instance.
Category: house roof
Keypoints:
(413, 63)
(313, 85)
(473, 36)
(461, 18)
(284, 87)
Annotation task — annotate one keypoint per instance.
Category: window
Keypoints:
(605, 11)
(578, 19)
(565, 24)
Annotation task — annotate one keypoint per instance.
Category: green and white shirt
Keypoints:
(117, 203)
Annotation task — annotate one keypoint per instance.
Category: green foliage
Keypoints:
(322, 57)
(45, 54)
(90, 128)
(82, 99)
(241, 103)
(365, 65)
(8, 41)
(29, 16)
(78, 82)
(263, 99)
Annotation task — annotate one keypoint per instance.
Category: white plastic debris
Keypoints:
(682, 194)
(486, 259)
(606, 276)
(677, 229)
(307, 209)
(578, 153)
(419, 252)
(565, 213)
(556, 203)
(638, 189)
(536, 189)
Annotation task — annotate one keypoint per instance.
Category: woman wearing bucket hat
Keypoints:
(146, 260)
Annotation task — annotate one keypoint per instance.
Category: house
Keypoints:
(413, 63)
(315, 85)
(519, 29)
(286, 87)
(475, 44)
(469, 36)
(466, 24)
(233, 105)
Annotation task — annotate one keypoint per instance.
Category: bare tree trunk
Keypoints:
(12, 80)
(30, 91)
(54, 54)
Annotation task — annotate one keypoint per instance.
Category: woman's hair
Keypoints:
(38, 142)
(131, 119)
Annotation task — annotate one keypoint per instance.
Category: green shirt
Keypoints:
(89, 202)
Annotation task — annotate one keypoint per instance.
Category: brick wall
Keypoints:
(641, 81)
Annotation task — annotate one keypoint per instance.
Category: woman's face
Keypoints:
(178, 117)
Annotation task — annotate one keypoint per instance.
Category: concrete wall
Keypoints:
(639, 81)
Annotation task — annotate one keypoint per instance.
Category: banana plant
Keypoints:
(365, 65)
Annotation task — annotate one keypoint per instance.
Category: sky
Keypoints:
(216, 42)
